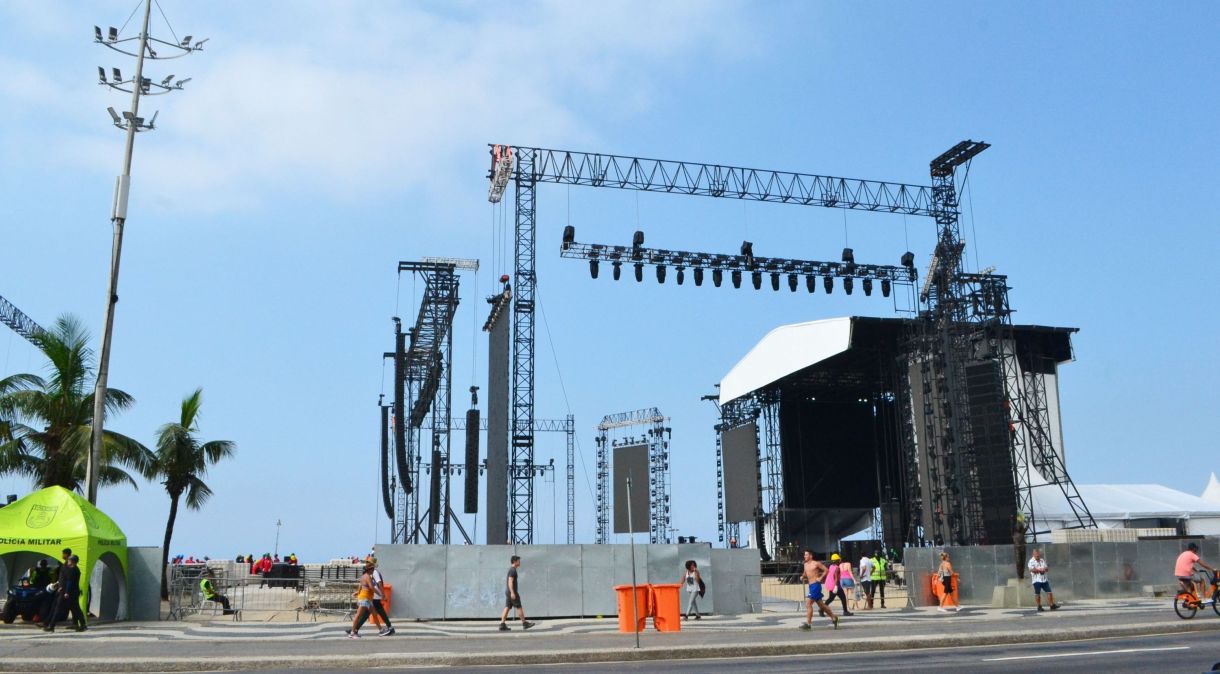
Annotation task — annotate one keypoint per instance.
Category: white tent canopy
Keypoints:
(1212, 493)
(1114, 505)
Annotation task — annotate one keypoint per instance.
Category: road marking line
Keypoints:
(1073, 655)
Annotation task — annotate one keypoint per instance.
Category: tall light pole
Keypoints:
(132, 123)
(277, 537)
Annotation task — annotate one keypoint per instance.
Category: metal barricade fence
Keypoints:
(783, 589)
(320, 591)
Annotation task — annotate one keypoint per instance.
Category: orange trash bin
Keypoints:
(667, 607)
(385, 602)
(625, 594)
(938, 588)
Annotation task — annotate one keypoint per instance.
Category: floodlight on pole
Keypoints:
(131, 122)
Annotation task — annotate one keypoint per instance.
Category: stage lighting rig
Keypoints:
(737, 265)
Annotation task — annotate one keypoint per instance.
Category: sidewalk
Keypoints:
(207, 645)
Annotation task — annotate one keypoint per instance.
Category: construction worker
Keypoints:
(880, 569)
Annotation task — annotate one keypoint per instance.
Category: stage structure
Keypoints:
(959, 311)
(832, 400)
(526, 167)
(422, 359)
(652, 443)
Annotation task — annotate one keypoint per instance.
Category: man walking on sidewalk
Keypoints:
(68, 590)
(813, 574)
(378, 597)
(866, 579)
(512, 596)
(1037, 572)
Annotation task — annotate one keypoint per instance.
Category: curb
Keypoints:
(587, 656)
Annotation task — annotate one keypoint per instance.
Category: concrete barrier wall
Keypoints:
(467, 581)
(144, 583)
(1076, 570)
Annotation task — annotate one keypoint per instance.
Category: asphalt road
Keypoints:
(1169, 653)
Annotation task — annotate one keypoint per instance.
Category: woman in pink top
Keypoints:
(836, 582)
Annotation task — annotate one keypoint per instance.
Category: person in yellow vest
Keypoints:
(208, 590)
(880, 568)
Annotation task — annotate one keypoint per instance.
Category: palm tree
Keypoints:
(46, 424)
(181, 463)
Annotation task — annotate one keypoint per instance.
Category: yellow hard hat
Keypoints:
(834, 557)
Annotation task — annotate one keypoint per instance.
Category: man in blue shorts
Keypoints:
(1037, 572)
(813, 574)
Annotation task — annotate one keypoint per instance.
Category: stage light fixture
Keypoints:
(775, 281)
(747, 251)
(639, 272)
(660, 273)
(847, 284)
(868, 287)
(792, 282)
(756, 279)
(811, 283)
(849, 256)
(885, 287)
(717, 276)
(618, 269)
(637, 242)
(736, 278)
(681, 276)
(828, 282)
(593, 268)
(569, 236)
(908, 259)
(698, 276)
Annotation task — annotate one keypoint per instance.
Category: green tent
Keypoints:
(55, 518)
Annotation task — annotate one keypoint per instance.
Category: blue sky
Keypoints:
(310, 153)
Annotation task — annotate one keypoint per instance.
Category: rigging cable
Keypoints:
(567, 403)
(167, 24)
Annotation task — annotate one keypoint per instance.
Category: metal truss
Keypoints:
(20, 323)
(521, 473)
(773, 468)
(714, 180)
(423, 385)
(1030, 439)
(571, 476)
(657, 437)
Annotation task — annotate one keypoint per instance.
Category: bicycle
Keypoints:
(1187, 604)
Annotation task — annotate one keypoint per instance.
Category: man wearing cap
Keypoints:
(209, 592)
(68, 590)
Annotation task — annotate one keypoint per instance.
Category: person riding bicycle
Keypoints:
(1184, 569)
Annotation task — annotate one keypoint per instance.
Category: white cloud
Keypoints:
(358, 100)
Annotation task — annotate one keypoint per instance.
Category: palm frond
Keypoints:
(197, 493)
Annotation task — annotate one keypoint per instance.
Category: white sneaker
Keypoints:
(942, 609)
(956, 609)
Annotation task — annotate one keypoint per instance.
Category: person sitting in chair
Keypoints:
(210, 594)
